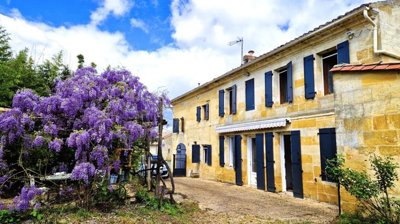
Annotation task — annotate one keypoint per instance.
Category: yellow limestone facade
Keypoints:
(374, 129)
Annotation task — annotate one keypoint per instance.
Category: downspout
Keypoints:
(375, 36)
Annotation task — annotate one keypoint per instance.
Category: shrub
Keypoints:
(373, 193)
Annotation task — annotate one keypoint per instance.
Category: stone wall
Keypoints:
(367, 109)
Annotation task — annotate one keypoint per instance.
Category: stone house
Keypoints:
(274, 121)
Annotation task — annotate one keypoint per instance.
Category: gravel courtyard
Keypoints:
(228, 203)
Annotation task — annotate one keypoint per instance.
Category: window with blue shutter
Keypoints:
(198, 114)
(221, 151)
(268, 89)
(206, 112)
(182, 124)
(289, 82)
(195, 153)
(221, 103)
(343, 53)
(250, 94)
(175, 125)
(234, 95)
(309, 88)
(328, 150)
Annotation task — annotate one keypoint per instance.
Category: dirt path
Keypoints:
(235, 203)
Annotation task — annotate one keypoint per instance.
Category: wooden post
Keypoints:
(159, 151)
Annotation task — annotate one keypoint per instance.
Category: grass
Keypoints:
(136, 213)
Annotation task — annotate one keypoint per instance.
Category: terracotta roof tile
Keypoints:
(381, 67)
(393, 66)
(368, 67)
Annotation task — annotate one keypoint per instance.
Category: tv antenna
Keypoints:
(238, 40)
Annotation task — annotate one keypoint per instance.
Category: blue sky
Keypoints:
(155, 14)
(172, 45)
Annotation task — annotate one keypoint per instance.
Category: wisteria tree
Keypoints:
(77, 129)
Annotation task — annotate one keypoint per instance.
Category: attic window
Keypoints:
(328, 61)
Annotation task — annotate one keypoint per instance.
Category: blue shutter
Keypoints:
(221, 151)
(260, 161)
(238, 160)
(309, 89)
(195, 153)
(198, 114)
(175, 125)
(221, 103)
(269, 146)
(206, 108)
(250, 94)
(209, 155)
(343, 53)
(327, 144)
(297, 170)
(268, 89)
(289, 89)
(234, 94)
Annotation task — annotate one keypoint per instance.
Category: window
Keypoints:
(182, 124)
(206, 112)
(207, 152)
(175, 125)
(328, 61)
(249, 94)
(327, 144)
(230, 95)
(231, 91)
(283, 75)
(231, 151)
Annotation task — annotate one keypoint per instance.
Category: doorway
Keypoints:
(252, 161)
(288, 163)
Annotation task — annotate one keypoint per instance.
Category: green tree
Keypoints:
(81, 60)
(21, 72)
(5, 49)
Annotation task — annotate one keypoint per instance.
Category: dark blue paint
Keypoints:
(260, 161)
(297, 170)
(269, 146)
(309, 86)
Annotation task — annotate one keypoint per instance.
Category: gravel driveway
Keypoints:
(237, 204)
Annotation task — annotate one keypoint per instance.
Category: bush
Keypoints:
(377, 206)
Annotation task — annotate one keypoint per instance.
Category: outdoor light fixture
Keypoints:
(350, 34)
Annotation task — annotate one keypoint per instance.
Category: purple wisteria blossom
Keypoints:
(55, 145)
(86, 118)
(83, 172)
(39, 141)
(22, 202)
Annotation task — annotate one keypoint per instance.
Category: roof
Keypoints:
(366, 67)
(282, 47)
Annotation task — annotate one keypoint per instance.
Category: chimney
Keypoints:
(248, 57)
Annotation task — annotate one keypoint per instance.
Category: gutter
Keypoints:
(375, 36)
(291, 43)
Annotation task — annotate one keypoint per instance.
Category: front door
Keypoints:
(252, 161)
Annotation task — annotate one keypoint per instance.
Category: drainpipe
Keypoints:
(375, 36)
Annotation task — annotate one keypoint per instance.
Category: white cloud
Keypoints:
(140, 24)
(115, 7)
(202, 29)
